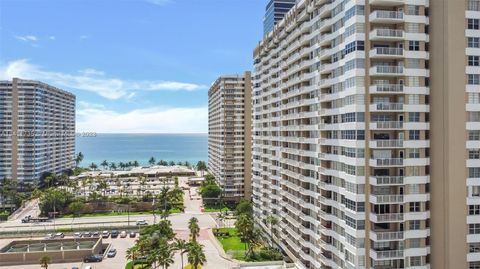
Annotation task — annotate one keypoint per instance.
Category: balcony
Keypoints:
(393, 143)
(388, 2)
(386, 254)
(386, 217)
(387, 180)
(386, 16)
(386, 88)
(387, 199)
(387, 34)
(386, 107)
(386, 53)
(380, 125)
(386, 235)
(386, 70)
(386, 162)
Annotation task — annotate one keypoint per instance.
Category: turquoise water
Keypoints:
(140, 147)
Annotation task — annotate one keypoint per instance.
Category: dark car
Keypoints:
(111, 253)
(87, 234)
(93, 258)
(96, 234)
(114, 234)
(132, 234)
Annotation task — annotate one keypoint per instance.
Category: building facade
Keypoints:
(37, 125)
(274, 12)
(341, 133)
(229, 134)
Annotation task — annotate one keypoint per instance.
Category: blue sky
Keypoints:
(134, 65)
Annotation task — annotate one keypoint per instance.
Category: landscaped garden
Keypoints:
(244, 242)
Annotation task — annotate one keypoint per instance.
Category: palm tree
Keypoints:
(194, 228)
(104, 164)
(272, 221)
(85, 182)
(171, 163)
(151, 161)
(143, 183)
(135, 163)
(45, 261)
(93, 166)
(165, 257)
(102, 186)
(182, 246)
(201, 166)
(113, 166)
(196, 255)
(78, 158)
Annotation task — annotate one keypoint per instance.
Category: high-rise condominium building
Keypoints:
(366, 133)
(229, 134)
(274, 12)
(37, 125)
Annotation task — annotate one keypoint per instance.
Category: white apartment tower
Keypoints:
(37, 128)
(341, 133)
(229, 135)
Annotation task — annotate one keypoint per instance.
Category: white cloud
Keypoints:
(91, 80)
(96, 118)
(27, 38)
(83, 36)
(52, 37)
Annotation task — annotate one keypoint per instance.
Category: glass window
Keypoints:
(474, 228)
(473, 24)
(414, 206)
(473, 60)
(473, 42)
(473, 79)
(474, 210)
(414, 134)
(414, 45)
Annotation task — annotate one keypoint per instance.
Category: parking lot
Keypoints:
(117, 262)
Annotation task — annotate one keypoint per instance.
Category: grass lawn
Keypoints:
(233, 242)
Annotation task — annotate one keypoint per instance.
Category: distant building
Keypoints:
(274, 12)
(229, 134)
(37, 128)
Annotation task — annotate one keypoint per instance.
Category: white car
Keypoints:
(77, 234)
(142, 222)
(123, 234)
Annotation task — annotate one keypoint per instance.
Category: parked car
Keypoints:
(142, 222)
(105, 234)
(77, 234)
(132, 234)
(123, 234)
(111, 253)
(87, 234)
(114, 234)
(75, 267)
(89, 267)
(59, 235)
(49, 236)
(96, 234)
(93, 258)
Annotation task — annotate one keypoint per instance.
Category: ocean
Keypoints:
(140, 147)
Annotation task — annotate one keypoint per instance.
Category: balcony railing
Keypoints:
(388, 217)
(389, 180)
(387, 14)
(389, 106)
(398, 143)
(388, 124)
(388, 88)
(386, 236)
(387, 33)
(388, 254)
(387, 69)
(388, 198)
(387, 51)
(389, 161)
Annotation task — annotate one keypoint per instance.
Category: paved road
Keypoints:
(179, 223)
